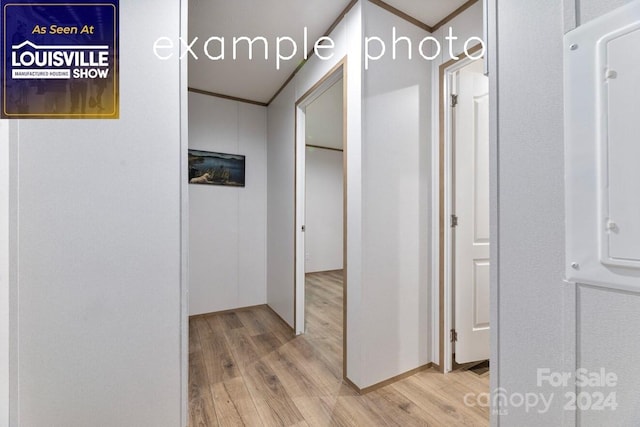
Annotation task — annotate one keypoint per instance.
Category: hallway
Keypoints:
(245, 368)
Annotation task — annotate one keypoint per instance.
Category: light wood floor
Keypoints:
(246, 368)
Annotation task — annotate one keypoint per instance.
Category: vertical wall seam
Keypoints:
(14, 273)
(5, 224)
(238, 218)
(577, 329)
(184, 225)
(17, 273)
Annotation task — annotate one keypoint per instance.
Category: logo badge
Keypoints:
(60, 59)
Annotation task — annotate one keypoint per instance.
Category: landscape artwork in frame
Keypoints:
(216, 168)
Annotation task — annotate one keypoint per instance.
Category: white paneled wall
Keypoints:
(396, 189)
(544, 322)
(97, 324)
(324, 213)
(389, 194)
(4, 272)
(227, 239)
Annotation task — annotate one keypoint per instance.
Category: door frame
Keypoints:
(330, 78)
(445, 199)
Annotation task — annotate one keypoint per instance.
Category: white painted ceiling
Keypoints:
(323, 119)
(428, 11)
(258, 79)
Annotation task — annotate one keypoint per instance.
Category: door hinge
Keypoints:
(454, 100)
(454, 335)
(454, 221)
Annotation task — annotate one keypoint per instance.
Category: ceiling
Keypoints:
(429, 12)
(258, 79)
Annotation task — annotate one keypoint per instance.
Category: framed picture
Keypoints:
(216, 168)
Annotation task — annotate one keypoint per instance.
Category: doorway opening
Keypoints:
(464, 207)
(320, 219)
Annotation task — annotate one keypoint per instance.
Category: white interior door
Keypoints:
(299, 321)
(471, 207)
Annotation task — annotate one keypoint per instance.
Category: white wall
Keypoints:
(324, 210)
(98, 269)
(227, 225)
(591, 9)
(388, 200)
(464, 26)
(530, 183)
(396, 193)
(4, 272)
(543, 322)
(281, 169)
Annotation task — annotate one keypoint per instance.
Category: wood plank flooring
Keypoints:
(246, 368)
